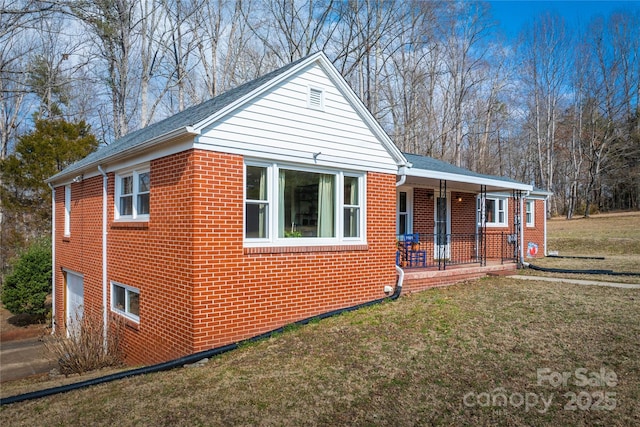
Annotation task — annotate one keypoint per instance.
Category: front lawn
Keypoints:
(497, 351)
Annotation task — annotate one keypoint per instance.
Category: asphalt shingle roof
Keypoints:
(431, 164)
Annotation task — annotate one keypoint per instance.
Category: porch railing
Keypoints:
(440, 250)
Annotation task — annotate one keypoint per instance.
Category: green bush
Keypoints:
(26, 287)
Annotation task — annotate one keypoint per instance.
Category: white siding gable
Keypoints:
(284, 125)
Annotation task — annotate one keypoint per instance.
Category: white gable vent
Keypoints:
(316, 98)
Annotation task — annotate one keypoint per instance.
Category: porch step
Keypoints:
(419, 280)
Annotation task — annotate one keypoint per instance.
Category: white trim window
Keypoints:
(530, 213)
(132, 195)
(495, 209)
(125, 300)
(67, 210)
(290, 205)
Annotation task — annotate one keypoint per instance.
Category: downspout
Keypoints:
(53, 258)
(105, 180)
(545, 224)
(523, 220)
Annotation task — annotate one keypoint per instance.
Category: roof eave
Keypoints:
(446, 176)
(160, 139)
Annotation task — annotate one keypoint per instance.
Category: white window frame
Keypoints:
(67, 210)
(126, 313)
(134, 173)
(530, 213)
(505, 210)
(273, 239)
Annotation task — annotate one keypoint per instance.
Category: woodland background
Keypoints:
(557, 108)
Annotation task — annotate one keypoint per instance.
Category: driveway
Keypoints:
(24, 358)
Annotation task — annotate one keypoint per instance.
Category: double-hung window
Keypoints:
(291, 205)
(495, 211)
(132, 195)
(530, 213)
(125, 300)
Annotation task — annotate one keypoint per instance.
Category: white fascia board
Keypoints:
(90, 169)
(423, 173)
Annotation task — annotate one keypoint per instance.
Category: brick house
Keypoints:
(275, 201)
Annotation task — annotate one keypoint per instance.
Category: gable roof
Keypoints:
(433, 169)
(191, 120)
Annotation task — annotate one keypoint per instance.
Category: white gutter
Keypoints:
(186, 130)
(105, 180)
(447, 176)
(53, 258)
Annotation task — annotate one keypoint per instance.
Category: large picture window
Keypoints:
(132, 195)
(299, 206)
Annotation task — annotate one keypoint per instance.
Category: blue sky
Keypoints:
(513, 15)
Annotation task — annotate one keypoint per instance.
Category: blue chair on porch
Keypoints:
(414, 255)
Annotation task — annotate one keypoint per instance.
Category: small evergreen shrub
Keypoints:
(26, 287)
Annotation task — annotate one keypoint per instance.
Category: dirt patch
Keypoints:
(18, 327)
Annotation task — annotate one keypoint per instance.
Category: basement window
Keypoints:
(125, 301)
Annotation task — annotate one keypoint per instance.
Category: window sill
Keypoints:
(66, 238)
(131, 225)
(304, 249)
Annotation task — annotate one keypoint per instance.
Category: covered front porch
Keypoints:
(454, 224)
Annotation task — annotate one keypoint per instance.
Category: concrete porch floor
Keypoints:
(418, 279)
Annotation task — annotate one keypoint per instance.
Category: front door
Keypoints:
(442, 228)
(74, 301)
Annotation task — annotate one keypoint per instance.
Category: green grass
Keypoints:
(409, 362)
(614, 237)
(404, 363)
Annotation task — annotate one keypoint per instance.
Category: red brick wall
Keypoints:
(81, 252)
(535, 234)
(242, 292)
(199, 288)
(423, 212)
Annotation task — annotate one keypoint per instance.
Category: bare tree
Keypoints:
(113, 23)
(545, 72)
(463, 31)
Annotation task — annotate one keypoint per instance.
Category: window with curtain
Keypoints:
(306, 204)
(495, 209)
(291, 206)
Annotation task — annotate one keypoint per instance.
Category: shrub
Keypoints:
(84, 349)
(26, 287)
